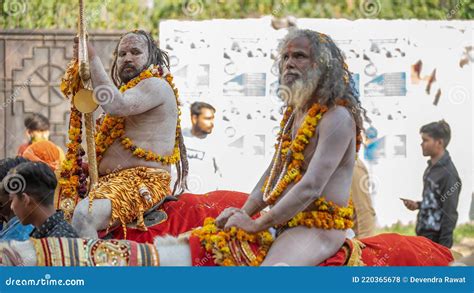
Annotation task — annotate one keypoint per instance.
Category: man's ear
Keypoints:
(26, 199)
(194, 119)
(440, 143)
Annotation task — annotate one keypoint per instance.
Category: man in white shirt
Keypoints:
(204, 174)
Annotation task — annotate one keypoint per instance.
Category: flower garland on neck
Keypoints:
(112, 128)
(289, 173)
(292, 172)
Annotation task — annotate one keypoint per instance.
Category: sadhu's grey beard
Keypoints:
(302, 90)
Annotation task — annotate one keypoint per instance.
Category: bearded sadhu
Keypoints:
(307, 184)
(138, 140)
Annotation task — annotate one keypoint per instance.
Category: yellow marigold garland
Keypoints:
(327, 216)
(72, 179)
(231, 248)
(70, 167)
(112, 128)
(297, 146)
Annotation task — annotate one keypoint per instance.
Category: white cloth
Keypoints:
(204, 173)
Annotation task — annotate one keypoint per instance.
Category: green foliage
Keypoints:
(462, 231)
(146, 14)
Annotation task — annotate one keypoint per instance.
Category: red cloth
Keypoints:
(398, 250)
(393, 249)
(185, 214)
(381, 250)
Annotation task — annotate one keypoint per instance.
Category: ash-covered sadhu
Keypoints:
(307, 184)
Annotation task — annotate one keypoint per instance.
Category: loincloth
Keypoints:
(93, 252)
(132, 192)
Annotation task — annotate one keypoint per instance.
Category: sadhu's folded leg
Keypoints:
(302, 246)
(121, 198)
(87, 224)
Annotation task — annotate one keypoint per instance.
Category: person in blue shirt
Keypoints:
(11, 229)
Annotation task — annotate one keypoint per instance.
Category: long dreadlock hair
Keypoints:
(156, 56)
(336, 80)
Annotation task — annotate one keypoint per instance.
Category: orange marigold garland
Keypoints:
(72, 181)
(327, 215)
(71, 82)
(292, 173)
(233, 247)
(289, 173)
(230, 248)
(112, 128)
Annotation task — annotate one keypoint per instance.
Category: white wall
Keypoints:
(439, 44)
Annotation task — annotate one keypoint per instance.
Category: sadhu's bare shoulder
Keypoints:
(338, 121)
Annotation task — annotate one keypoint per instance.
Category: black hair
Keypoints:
(438, 130)
(36, 122)
(9, 163)
(196, 108)
(34, 178)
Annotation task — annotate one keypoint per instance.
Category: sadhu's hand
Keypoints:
(221, 220)
(410, 204)
(244, 222)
